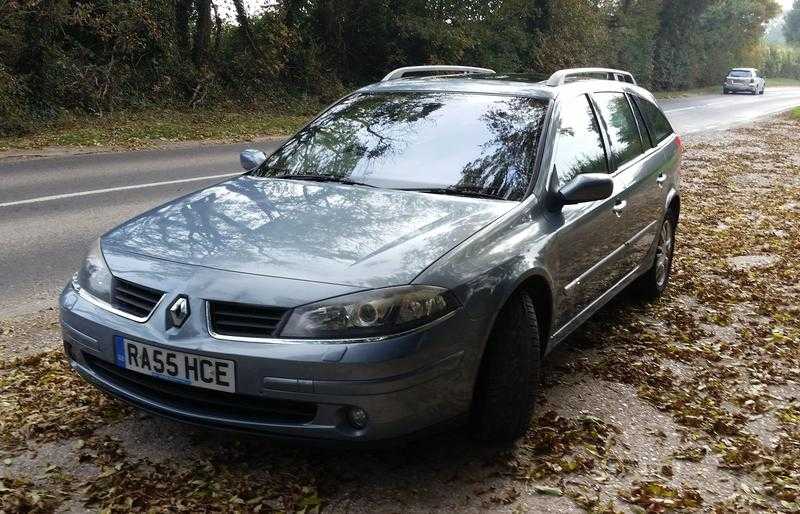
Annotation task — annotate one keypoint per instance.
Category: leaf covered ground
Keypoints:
(688, 404)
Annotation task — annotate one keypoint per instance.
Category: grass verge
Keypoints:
(156, 127)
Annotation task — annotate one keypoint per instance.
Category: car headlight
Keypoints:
(371, 313)
(94, 277)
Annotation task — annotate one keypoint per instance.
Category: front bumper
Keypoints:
(405, 384)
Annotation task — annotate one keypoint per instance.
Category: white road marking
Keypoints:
(682, 109)
(114, 189)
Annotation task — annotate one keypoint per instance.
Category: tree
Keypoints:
(202, 34)
(96, 56)
(791, 28)
(634, 27)
(183, 9)
(244, 26)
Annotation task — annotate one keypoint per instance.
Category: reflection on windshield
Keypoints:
(481, 143)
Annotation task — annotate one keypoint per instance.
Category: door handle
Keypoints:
(619, 207)
(661, 179)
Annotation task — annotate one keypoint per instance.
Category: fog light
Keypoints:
(357, 417)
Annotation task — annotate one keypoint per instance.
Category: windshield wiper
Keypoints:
(322, 178)
(455, 191)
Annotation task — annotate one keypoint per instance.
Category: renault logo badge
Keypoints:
(179, 311)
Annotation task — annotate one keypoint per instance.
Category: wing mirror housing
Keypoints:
(251, 159)
(587, 187)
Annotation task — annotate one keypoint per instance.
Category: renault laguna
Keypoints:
(405, 262)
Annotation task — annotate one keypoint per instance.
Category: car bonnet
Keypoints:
(323, 232)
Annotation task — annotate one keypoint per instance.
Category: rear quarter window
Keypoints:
(657, 124)
(626, 141)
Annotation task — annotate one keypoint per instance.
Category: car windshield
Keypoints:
(447, 143)
(740, 73)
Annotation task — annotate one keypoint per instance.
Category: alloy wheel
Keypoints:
(664, 253)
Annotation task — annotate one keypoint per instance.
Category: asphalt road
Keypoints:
(52, 208)
(719, 112)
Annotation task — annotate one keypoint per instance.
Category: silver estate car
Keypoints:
(747, 80)
(404, 262)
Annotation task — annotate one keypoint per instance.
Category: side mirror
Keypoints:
(251, 159)
(588, 187)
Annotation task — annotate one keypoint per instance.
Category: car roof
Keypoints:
(743, 69)
(525, 85)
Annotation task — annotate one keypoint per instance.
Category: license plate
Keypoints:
(185, 368)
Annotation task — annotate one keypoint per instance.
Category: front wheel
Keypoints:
(508, 378)
(652, 284)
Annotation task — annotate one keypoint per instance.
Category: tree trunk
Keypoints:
(543, 19)
(244, 27)
(291, 12)
(183, 9)
(202, 34)
(217, 29)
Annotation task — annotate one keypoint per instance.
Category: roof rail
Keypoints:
(560, 77)
(402, 72)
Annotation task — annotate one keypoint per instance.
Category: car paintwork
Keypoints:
(738, 84)
(322, 232)
(580, 256)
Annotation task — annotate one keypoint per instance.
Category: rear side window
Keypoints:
(657, 123)
(646, 138)
(579, 145)
(626, 142)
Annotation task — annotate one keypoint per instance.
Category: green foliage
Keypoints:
(699, 40)
(780, 61)
(14, 115)
(636, 22)
(98, 56)
(791, 27)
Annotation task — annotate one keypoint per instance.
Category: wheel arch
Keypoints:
(674, 206)
(538, 284)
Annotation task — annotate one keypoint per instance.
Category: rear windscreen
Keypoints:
(740, 73)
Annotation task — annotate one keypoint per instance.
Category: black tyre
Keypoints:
(509, 375)
(652, 284)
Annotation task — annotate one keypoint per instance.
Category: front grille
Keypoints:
(243, 320)
(204, 401)
(134, 299)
